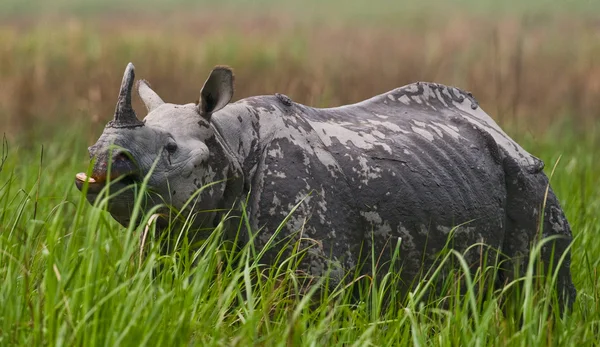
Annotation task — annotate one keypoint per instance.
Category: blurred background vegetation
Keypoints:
(529, 63)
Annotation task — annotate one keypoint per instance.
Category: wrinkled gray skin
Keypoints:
(409, 164)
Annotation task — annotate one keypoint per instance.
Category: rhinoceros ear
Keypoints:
(216, 92)
(149, 97)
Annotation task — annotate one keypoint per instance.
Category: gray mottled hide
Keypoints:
(407, 165)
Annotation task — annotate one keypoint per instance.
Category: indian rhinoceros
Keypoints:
(410, 164)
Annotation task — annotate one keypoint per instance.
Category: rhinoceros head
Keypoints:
(176, 143)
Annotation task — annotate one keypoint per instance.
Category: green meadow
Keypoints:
(73, 276)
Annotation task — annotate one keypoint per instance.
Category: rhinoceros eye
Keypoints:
(171, 147)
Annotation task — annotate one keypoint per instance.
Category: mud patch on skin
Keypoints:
(366, 172)
(380, 228)
(426, 134)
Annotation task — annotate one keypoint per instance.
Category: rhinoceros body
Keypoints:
(419, 165)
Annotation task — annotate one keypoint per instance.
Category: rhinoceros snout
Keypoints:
(121, 166)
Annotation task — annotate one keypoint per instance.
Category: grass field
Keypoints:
(72, 276)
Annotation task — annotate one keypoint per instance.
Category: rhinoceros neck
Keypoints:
(237, 126)
(248, 127)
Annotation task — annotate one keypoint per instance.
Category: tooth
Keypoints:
(83, 177)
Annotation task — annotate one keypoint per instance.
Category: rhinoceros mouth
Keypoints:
(121, 191)
(97, 183)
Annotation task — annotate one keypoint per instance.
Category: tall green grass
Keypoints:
(72, 276)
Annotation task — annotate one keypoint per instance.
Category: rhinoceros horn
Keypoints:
(124, 114)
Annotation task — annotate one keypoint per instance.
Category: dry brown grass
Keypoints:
(528, 71)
